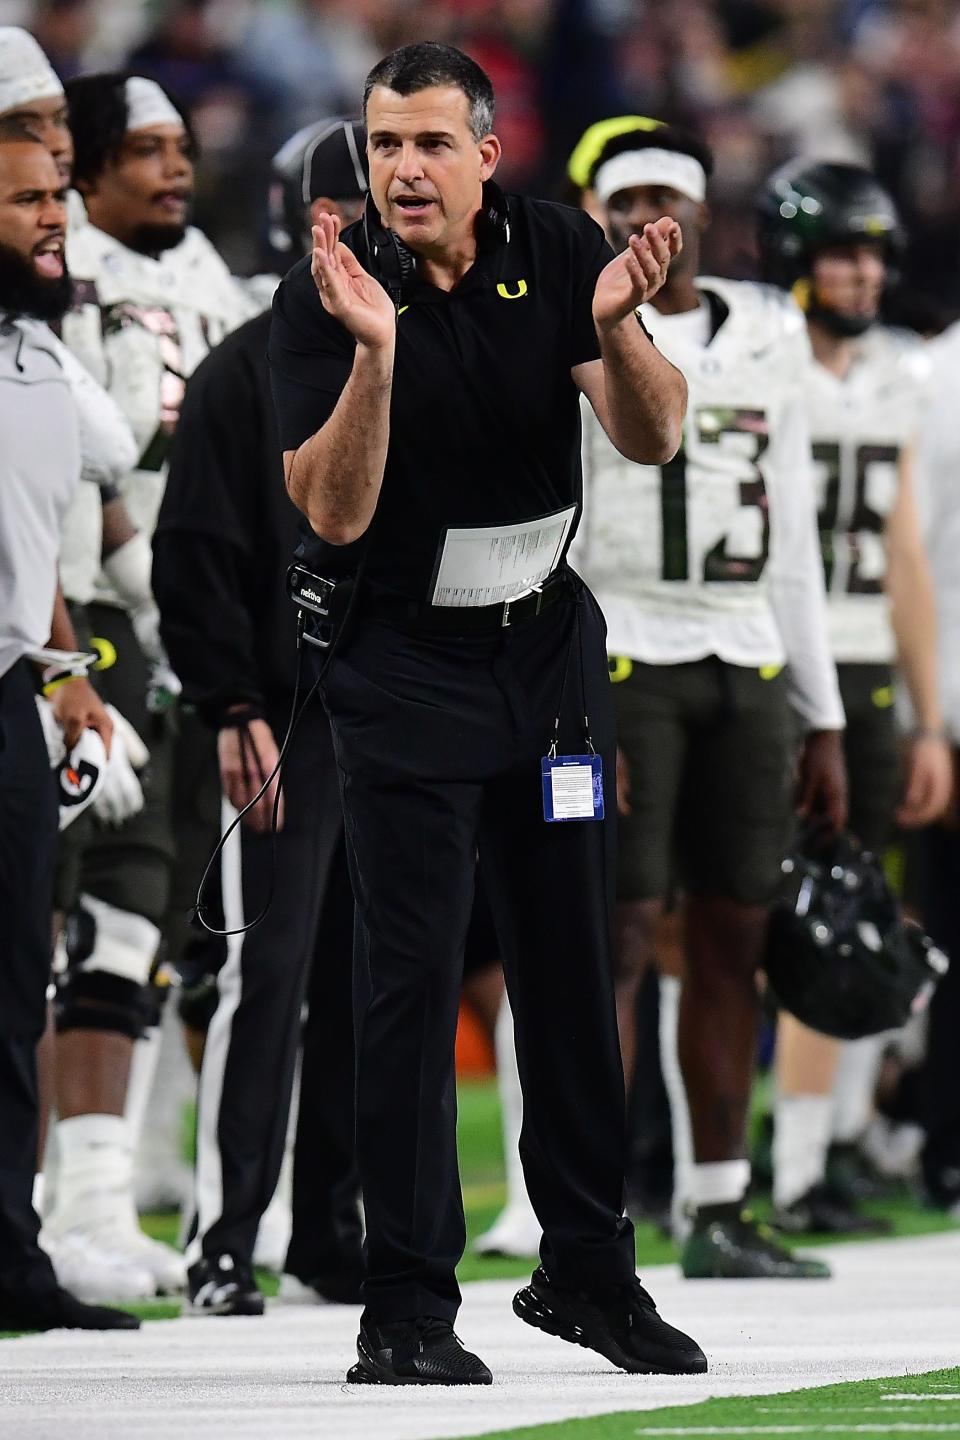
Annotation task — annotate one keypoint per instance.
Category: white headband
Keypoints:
(147, 105)
(651, 167)
(25, 72)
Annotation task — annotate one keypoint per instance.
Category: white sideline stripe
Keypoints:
(209, 1181)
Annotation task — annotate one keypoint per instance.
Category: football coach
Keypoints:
(427, 366)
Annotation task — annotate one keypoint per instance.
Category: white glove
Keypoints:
(137, 752)
(81, 774)
(121, 794)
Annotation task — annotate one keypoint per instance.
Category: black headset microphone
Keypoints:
(389, 259)
(394, 264)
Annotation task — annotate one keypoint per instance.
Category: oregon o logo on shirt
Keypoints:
(504, 291)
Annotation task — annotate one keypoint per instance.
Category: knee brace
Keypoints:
(197, 969)
(109, 956)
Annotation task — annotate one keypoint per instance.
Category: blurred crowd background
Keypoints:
(870, 81)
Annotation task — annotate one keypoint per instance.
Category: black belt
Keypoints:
(464, 619)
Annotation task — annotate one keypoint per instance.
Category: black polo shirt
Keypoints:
(484, 415)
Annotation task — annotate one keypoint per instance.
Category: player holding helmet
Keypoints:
(830, 233)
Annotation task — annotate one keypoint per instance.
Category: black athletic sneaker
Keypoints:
(621, 1324)
(419, 1351)
(824, 1210)
(59, 1310)
(726, 1243)
(222, 1285)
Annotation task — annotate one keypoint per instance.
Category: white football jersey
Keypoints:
(141, 326)
(107, 450)
(860, 425)
(715, 553)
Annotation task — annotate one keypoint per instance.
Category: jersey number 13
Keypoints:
(715, 425)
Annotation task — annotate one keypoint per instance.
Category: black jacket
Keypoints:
(225, 536)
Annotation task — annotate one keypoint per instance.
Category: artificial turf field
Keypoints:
(891, 1314)
(913, 1405)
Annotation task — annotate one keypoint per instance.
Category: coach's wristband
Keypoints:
(238, 715)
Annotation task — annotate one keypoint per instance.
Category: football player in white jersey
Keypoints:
(706, 570)
(828, 232)
(152, 296)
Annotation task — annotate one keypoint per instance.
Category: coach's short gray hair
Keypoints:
(421, 66)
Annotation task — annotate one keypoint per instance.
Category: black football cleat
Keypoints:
(419, 1351)
(59, 1310)
(222, 1285)
(852, 1173)
(622, 1325)
(825, 1210)
(726, 1243)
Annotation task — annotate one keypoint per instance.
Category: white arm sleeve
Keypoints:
(797, 592)
(108, 448)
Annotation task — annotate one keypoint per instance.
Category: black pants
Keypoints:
(439, 742)
(251, 1048)
(28, 837)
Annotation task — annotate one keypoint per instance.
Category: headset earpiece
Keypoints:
(389, 259)
(494, 227)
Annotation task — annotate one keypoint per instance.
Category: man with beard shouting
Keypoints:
(152, 296)
(41, 466)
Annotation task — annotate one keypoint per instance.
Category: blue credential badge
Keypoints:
(572, 787)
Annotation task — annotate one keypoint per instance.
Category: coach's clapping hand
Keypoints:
(637, 274)
(348, 293)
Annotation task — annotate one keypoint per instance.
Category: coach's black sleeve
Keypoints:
(204, 548)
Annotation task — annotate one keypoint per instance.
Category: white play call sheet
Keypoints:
(490, 564)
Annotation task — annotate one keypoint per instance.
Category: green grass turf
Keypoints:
(903, 1405)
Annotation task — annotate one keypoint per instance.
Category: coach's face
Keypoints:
(426, 167)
